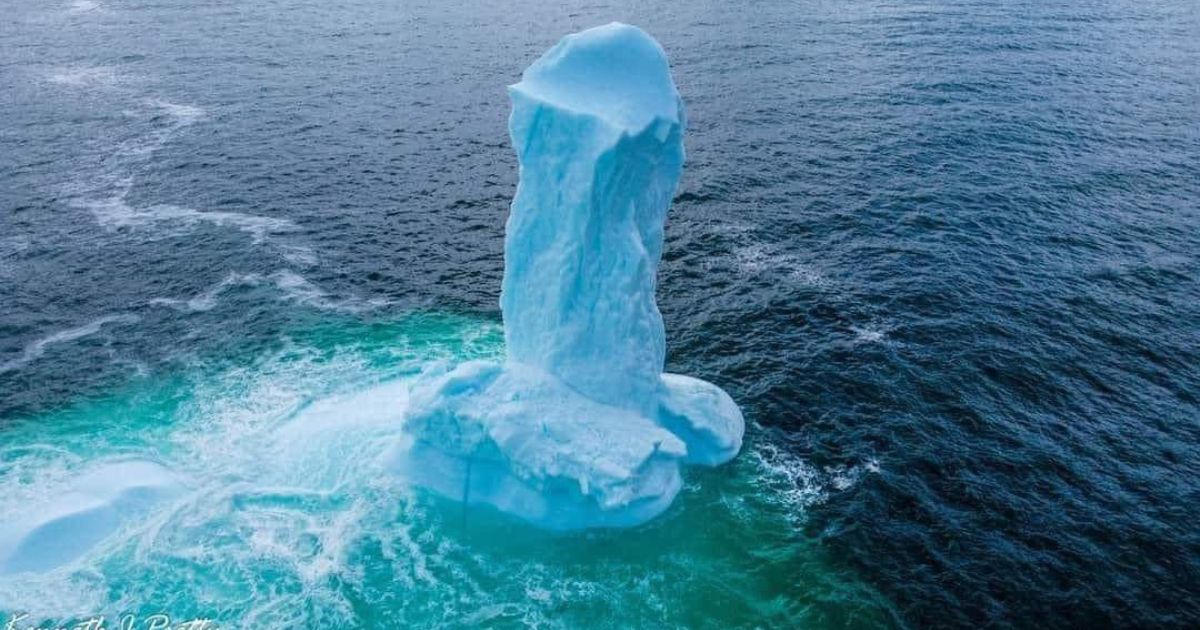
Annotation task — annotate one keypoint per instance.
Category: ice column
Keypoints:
(597, 125)
(579, 427)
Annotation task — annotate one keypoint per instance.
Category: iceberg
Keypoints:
(44, 536)
(579, 427)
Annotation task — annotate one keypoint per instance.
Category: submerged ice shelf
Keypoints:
(579, 427)
(53, 532)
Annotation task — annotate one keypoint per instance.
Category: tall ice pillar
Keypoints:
(597, 125)
(579, 427)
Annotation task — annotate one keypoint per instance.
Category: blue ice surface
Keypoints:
(45, 535)
(579, 427)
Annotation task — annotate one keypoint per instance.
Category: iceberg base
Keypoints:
(518, 439)
(64, 527)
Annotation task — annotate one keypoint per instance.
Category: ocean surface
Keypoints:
(945, 254)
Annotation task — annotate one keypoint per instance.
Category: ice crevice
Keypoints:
(579, 426)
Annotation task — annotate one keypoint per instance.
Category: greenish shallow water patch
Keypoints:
(287, 520)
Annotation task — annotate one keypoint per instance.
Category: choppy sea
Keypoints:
(945, 254)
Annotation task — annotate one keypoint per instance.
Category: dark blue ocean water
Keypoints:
(944, 254)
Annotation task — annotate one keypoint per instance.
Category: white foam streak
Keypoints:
(84, 6)
(867, 335)
(114, 213)
(298, 289)
(757, 259)
(38, 347)
(790, 477)
(801, 485)
(105, 194)
(207, 300)
(85, 76)
(183, 114)
(292, 287)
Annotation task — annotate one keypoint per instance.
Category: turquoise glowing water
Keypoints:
(287, 520)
